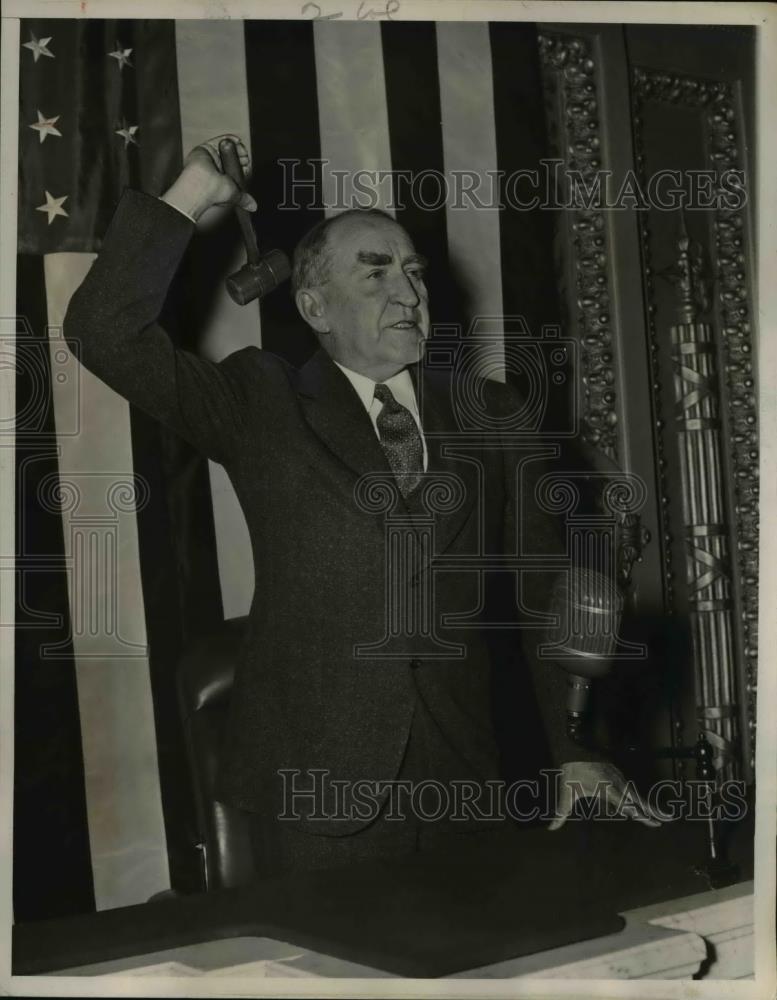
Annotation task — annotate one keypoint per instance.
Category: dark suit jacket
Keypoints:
(295, 444)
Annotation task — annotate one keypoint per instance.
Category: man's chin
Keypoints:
(414, 355)
(414, 349)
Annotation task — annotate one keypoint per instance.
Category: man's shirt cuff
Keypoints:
(182, 212)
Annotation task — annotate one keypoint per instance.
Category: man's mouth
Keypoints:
(404, 324)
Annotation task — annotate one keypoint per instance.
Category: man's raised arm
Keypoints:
(111, 322)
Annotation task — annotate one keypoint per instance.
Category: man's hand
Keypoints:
(202, 183)
(591, 780)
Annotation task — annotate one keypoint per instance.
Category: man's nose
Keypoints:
(404, 292)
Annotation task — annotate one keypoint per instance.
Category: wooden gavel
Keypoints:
(261, 272)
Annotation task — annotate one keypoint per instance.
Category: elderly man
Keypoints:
(322, 705)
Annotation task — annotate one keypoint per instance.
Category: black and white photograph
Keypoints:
(387, 605)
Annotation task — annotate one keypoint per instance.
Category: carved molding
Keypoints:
(717, 101)
(706, 537)
(570, 85)
(655, 384)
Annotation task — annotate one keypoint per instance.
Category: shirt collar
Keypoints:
(401, 386)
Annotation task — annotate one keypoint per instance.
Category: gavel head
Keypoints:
(253, 281)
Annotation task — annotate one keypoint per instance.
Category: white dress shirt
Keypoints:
(401, 386)
(182, 211)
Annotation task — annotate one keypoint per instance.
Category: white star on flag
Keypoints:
(38, 47)
(127, 132)
(45, 126)
(53, 207)
(121, 56)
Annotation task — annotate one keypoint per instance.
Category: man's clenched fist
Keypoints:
(203, 184)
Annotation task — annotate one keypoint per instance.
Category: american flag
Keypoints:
(130, 542)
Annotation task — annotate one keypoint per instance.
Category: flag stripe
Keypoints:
(126, 826)
(164, 460)
(526, 237)
(283, 107)
(158, 104)
(352, 113)
(233, 545)
(526, 234)
(414, 116)
(213, 102)
(469, 144)
(52, 870)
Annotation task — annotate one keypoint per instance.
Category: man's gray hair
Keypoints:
(312, 254)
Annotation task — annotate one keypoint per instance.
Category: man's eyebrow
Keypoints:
(416, 258)
(375, 259)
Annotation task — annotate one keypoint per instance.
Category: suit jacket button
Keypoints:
(415, 664)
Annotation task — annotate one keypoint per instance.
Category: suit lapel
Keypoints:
(337, 416)
(335, 413)
(441, 434)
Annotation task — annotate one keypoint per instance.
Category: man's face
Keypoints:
(374, 301)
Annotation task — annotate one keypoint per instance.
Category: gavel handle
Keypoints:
(231, 164)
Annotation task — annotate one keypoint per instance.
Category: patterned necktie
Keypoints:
(401, 440)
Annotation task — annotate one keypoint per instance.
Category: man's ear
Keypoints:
(312, 309)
